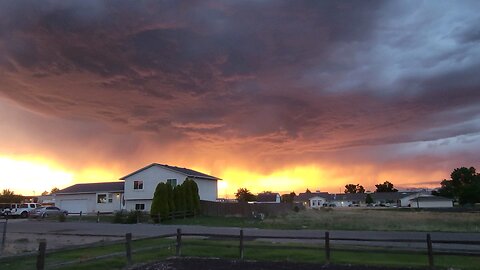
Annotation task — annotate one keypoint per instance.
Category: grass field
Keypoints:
(352, 219)
(260, 251)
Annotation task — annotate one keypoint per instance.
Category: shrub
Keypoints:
(132, 217)
(119, 217)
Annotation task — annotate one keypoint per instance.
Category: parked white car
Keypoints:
(23, 209)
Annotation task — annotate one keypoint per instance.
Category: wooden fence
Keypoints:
(3, 227)
(141, 215)
(326, 239)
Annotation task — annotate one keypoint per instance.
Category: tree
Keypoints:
(179, 198)
(289, 197)
(352, 188)
(244, 195)
(54, 190)
(193, 198)
(8, 196)
(464, 186)
(45, 193)
(385, 187)
(160, 208)
(368, 199)
(308, 191)
(170, 199)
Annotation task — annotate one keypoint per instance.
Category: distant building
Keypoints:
(430, 201)
(394, 199)
(268, 197)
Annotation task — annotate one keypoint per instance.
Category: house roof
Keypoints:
(267, 197)
(303, 197)
(93, 188)
(184, 171)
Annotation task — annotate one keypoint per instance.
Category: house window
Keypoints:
(172, 182)
(110, 197)
(137, 184)
(140, 206)
(101, 198)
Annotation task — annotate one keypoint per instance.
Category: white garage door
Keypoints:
(75, 206)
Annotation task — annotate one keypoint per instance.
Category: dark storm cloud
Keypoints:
(265, 77)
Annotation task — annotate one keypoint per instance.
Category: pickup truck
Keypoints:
(22, 209)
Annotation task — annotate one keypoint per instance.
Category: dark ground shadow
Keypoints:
(223, 264)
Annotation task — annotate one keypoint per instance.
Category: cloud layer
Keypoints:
(258, 85)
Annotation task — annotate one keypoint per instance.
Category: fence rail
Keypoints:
(3, 226)
(180, 242)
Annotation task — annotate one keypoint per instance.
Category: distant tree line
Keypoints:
(168, 199)
(8, 196)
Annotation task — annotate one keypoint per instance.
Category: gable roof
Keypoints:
(303, 197)
(187, 172)
(267, 197)
(93, 188)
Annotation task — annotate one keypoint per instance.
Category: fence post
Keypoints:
(178, 251)
(42, 246)
(241, 244)
(138, 216)
(98, 216)
(128, 247)
(80, 215)
(327, 247)
(430, 251)
(4, 233)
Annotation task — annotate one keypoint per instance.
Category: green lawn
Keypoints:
(335, 219)
(351, 219)
(254, 250)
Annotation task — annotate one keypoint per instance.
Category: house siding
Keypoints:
(154, 175)
(88, 202)
(431, 204)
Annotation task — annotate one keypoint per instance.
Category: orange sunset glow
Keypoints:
(264, 95)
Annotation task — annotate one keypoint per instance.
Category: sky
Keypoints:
(267, 95)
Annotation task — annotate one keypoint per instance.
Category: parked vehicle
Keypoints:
(47, 211)
(6, 208)
(23, 209)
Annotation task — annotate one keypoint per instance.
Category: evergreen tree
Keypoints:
(155, 209)
(171, 202)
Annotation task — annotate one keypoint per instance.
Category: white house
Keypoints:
(140, 185)
(316, 202)
(90, 198)
(430, 201)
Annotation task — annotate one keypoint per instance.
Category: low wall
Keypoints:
(218, 209)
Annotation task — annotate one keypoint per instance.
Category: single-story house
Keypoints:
(92, 197)
(268, 197)
(140, 185)
(312, 199)
(430, 201)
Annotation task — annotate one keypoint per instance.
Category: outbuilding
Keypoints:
(431, 202)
